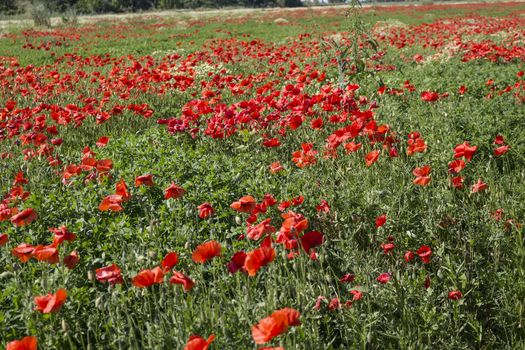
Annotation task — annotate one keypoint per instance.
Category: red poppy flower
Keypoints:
(501, 150)
(146, 180)
(356, 294)
(104, 165)
(316, 123)
(252, 218)
(372, 157)
(3, 239)
(305, 156)
(416, 145)
(112, 202)
(318, 303)
(323, 207)
(24, 218)
(122, 190)
(6, 213)
(499, 140)
(352, 147)
(455, 295)
(23, 252)
(465, 150)
(180, 278)
(57, 142)
(51, 302)
(497, 214)
(455, 166)
(268, 200)
(20, 179)
(334, 304)
(272, 142)
(292, 226)
(17, 192)
(47, 253)
(62, 234)
(245, 204)
(274, 325)
(170, 260)
(109, 274)
(205, 210)
(284, 205)
(146, 278)
(427, 282)
(311, 240)
(347, 278)
(173, 191)
(429, 96)
(480, 186)
(70, 171)
(237, 262)
(387, 247)
(26, 343)
(380, 220)
(196, 342)
(71, 260)
(421, 174)
(384, 278)
(409, 256)
(258, 258)
(297, 201)
(206, 251)
(263, 228)
(424, 253)
(457, 182)
(102, 142)
(87, 164)
(276, 167)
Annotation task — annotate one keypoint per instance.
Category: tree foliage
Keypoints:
(9, 7)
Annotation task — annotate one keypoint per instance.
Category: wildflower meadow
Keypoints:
(347, 177)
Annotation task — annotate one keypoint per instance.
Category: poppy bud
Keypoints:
(5, 274)
(238, 220)
(65, 326)
(295, 265)
(455, 295)
(90, 276)
(98, 302)
(284, 255)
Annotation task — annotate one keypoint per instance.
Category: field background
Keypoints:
(117, 77)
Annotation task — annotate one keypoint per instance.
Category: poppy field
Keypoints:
(315, 178)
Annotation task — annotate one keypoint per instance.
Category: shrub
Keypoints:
(39, 13)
